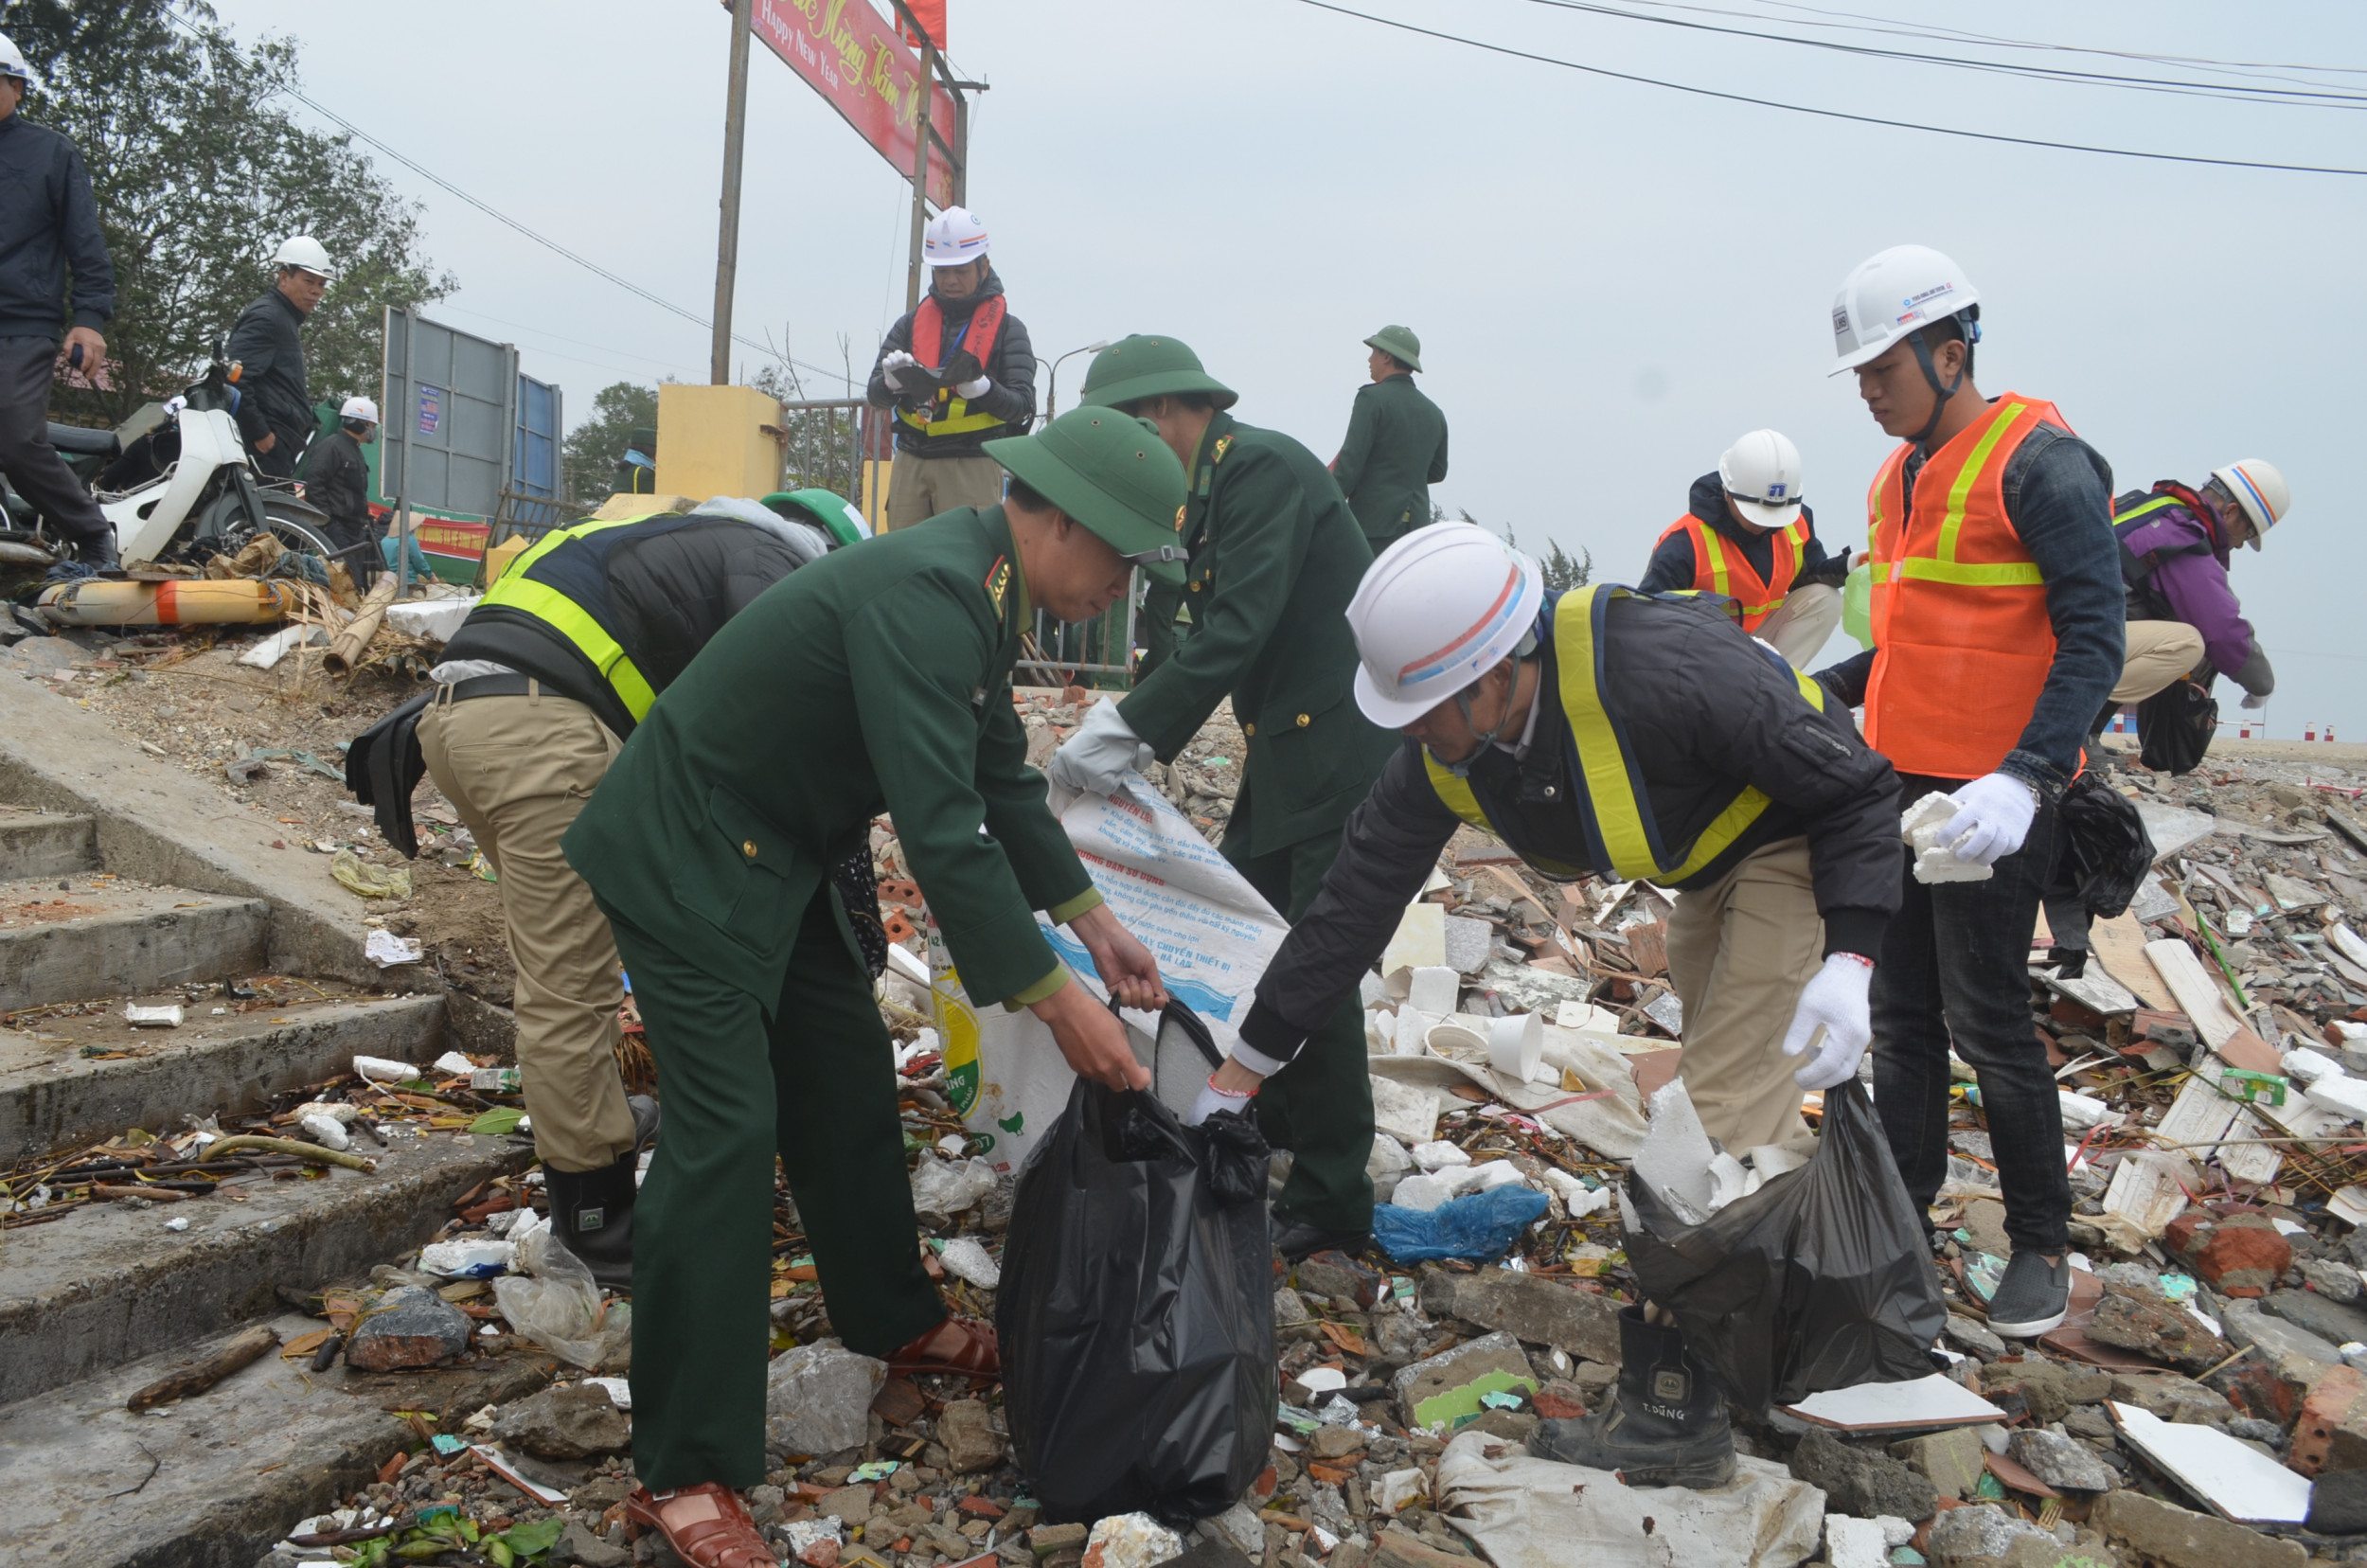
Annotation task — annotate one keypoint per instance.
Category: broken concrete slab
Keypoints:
(1862, 1481)
(1445, 1390)
(1950, 1460)
(574, 1421)
(2182, 1538)
(2061, 1461)
(1534, 1308)
(818, 1399)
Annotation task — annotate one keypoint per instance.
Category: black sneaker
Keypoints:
(1295, 1239)
(2033, 1297)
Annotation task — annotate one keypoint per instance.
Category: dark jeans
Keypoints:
(280, 461)
(1955, 965)
(32, 464)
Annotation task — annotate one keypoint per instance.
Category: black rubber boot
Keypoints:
(1666, 1423)
(592, 1211)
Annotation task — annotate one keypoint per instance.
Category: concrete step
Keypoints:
(213, 1481)
(110, 1284)
(46, 843)
(88, 934)
(66, 1080)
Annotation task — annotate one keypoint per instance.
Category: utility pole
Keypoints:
(921, 132)
(727, 235)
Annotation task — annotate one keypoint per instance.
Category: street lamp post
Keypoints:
(1052, 392)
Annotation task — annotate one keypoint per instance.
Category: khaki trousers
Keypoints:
(1739, 952)
(2159, 654)
(518, 770)
(1798, 628)
(919, 487)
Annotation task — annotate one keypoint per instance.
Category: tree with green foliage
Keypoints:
(201, 169)
(594, 447)
(1561, 570)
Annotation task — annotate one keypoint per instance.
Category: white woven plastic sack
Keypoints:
(1210, 931)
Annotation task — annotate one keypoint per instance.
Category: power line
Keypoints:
(499, 216)
(2290, 98)
(1829, 114)
(1890, 25)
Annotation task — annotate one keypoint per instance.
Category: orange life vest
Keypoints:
(1720, 567)
(1962, 640)
(948, 414)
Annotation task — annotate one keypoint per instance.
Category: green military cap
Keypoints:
(1140, 366)
(1399, 342)
(1112, 475)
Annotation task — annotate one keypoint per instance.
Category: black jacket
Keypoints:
(672, 591)
(48, 225)
(337, 479)
(1672, 565)
(1011, 398)
(1705, 710)
(268, 343)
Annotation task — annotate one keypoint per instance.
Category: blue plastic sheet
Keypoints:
(1474, 1229)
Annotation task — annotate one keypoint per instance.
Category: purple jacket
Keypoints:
(2189, 573)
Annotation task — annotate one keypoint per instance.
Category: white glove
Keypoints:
(1833, 1023)
(1993, 819)
(1099, 756)
(2255, 701)
(1213, 1099)
(974, 388)
(896, 360)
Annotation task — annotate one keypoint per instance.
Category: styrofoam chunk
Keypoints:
(1434, 988)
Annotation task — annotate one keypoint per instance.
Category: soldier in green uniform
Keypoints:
(874, 679)
(1397, 445)
(1276, 557)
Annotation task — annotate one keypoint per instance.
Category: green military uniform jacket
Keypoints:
(1276, 557)
(1396, 450)
(876, 678)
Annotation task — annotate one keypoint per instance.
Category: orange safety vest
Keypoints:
(947, 413)
(1962, 640)
(1721, 569)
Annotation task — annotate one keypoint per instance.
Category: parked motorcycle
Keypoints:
(176, 483)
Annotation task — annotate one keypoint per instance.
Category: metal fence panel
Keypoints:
(450, 406)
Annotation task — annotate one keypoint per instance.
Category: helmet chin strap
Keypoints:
(1941, 391)
(1479, 749)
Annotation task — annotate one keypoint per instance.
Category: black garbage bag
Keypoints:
(2175, 728)
(1820, 1279)
(2102, 851)
(1136, 1311)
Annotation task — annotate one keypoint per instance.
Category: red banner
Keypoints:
(851, 54)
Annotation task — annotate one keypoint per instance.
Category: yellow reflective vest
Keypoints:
(1606, 784)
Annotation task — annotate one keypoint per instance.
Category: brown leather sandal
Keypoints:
(978, 1357)
(728, 1539)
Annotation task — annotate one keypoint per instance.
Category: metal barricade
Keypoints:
(1091, 653)
(822, 446)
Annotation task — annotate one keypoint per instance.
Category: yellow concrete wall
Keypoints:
(711, 441)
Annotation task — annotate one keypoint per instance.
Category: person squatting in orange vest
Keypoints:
(1996, 620)
(1746, 536)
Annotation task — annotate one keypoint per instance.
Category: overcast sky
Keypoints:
(1610, 281)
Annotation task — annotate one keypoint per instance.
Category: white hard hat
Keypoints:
(1441, 608)
(12, 61)
(954, 237)
(1888, 296)
(2259, 488)
(1761, 472)
(302, 250)
(359, 408)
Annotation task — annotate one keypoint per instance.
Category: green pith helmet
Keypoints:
(1399, 342)
(1112, 475)
(826, 509)
(1140, 366)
